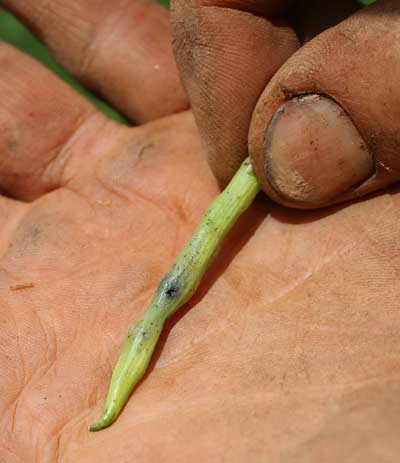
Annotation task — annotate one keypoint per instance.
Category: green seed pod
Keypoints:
(176, 288)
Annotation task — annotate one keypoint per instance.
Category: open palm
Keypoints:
(290, 350)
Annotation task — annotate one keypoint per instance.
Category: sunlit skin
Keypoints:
(289, 351)
(293, 335)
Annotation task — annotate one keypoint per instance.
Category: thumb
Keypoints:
(325, 129)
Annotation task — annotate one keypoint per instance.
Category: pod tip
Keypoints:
(102, 423)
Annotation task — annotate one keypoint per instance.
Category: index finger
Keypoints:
(121, 50)
(227, 51)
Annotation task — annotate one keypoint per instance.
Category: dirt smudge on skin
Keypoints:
(12, 146)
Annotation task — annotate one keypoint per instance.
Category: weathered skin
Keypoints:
(245, 61)
(292, 342)
(290, 352)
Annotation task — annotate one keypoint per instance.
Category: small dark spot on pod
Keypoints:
(171, 287)
(171, 292)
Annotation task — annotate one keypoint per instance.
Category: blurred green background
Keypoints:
(12, 31)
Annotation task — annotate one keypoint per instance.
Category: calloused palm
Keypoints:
(290, 352)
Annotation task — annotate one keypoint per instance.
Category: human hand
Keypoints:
(290, 349)
(318, 149)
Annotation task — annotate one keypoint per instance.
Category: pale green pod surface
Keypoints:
(176, 288)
